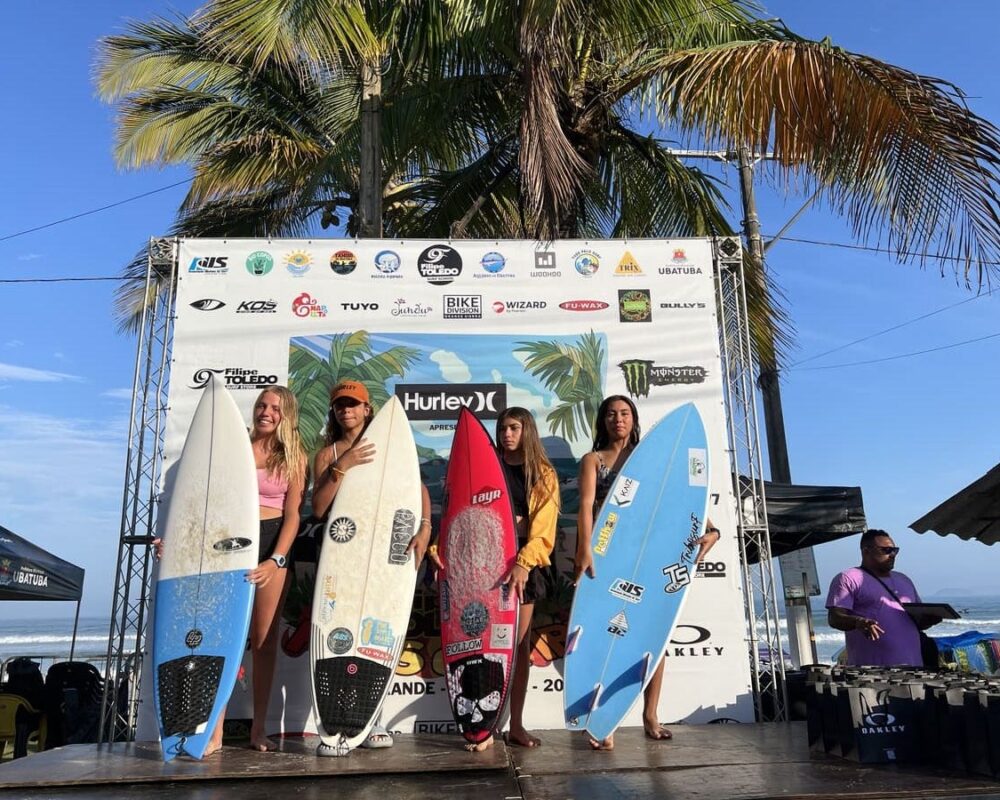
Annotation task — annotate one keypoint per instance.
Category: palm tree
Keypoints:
(351, 356)
(575, 373)
(533, 119)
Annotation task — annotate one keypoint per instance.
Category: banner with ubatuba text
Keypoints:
(486, 325)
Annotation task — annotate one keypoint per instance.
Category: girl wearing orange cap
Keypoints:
(346, 448)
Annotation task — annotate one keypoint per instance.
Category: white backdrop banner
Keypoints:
(485, 324)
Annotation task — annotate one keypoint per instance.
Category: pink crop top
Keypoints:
(272, 489)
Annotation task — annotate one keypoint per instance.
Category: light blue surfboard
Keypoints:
(203, 601)
(644, 544)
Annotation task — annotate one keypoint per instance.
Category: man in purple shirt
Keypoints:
(861, 603)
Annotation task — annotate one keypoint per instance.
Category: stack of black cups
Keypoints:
(877, 715)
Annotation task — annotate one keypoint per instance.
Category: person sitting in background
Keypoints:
(866, 603)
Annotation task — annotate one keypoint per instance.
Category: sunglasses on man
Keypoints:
(886, 551)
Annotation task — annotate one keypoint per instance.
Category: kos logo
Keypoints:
(207, 304)
(711, 569)
(444, 400)
(583, 305)
(234, 378)
(463, 306)
(211, 264)
(439, 264)
(257, 307)
(627, 591)
(359, 306)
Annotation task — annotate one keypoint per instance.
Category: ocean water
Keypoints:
(49, 639)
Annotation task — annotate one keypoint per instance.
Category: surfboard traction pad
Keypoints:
(477, 681)
(188, 686)
(349, 691)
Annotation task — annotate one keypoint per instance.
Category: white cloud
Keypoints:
(118, 394)
(29, 257)
(453, 369)
(61, 487)
(11, 372)
(13, 343)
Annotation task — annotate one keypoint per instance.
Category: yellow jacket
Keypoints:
(543, 514)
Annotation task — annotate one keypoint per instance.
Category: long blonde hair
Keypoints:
(535, 458)
(287, 457)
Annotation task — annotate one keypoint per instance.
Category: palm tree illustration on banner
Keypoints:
(575, 374)
(351, 356)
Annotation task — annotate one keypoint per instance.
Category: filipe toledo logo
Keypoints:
(234, 378)
(445, 400)
(641, 374)
(439, 264)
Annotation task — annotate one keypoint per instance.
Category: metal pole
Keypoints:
(76, 624)
(801, 640)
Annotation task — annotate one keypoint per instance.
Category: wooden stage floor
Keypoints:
(702, 761)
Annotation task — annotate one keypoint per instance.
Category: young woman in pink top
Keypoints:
(281, 480)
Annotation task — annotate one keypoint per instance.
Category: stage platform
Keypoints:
(704, 761)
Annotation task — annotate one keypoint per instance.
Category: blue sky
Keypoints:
(910, 432)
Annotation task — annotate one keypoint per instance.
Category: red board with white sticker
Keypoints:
(478, 545)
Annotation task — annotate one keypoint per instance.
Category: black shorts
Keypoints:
(536, 587)
(269, 530)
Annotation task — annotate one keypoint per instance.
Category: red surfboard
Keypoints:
(478, 545)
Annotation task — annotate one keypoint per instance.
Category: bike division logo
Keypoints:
(641, 374)
(634, 305)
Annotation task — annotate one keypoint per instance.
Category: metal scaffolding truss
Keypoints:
(767, 667)
(142, 479)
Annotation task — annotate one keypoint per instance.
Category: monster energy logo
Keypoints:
(641, 374)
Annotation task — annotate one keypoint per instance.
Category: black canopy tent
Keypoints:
(27, 572)
(972, 513)
(805, 516)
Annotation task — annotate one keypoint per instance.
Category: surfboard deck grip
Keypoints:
(188, 686)
(348, 693)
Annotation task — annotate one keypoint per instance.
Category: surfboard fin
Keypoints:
(647, 661)
(574, 638)
(598, 689)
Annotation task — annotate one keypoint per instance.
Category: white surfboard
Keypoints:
(203, 600)
(364, 585)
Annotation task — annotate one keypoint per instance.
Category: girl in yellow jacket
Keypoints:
(534, 490)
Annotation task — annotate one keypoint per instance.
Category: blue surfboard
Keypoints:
(644, 544)
(203, 601)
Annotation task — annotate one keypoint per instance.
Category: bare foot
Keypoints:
(655, 731)
(212, 749)
(479, 747)
(262, 744)
(522, 738)
(607, 744)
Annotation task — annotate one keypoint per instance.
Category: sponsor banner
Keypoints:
(482, 325)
